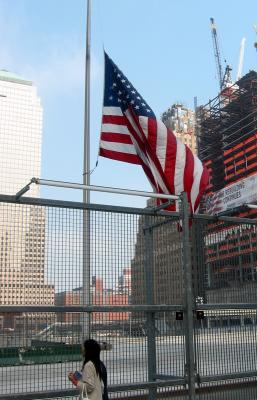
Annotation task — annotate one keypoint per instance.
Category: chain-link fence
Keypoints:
(174, 309)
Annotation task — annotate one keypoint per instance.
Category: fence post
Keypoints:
(86, 300)
(188, 296)
(150, 321)
(198, 259)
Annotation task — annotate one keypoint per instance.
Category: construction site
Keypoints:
(227, 138)
(227, 142)
(226, 135)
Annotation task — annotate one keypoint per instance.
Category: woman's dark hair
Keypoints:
(92, 353)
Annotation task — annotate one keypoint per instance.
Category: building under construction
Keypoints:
(227, 144)
(227, 139)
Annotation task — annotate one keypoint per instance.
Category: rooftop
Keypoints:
(11, 77)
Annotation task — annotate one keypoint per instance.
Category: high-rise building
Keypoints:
(21, 133)
(181, 121)
(163, 248)
(22, 228)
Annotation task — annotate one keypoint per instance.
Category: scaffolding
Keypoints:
(227, 128)
(227, 143)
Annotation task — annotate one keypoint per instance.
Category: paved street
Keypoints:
(127, 361)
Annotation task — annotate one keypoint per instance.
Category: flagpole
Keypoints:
(86, 181)
(86, 175)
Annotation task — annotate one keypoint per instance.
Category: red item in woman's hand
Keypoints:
(73, 379)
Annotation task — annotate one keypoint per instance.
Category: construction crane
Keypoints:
(217, 53)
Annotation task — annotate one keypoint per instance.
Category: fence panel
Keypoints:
(137, 304)
(136, 290)
(225, 283)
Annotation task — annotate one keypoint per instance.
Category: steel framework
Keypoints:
(227, 126)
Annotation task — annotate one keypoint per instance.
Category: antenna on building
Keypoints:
(241, 59)
(255, 43)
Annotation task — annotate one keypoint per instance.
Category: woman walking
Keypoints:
(90, 382)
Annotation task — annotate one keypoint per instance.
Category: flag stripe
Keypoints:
(114, 128)
(161, 143)
(203, 184)
(152, 132)
(143, 121)
(189, 174)
(179, 169)
(198, 169)
(119, 147)
(114, 119)
(119, 156)
(112, 111)
(116, 137)
(170, 162)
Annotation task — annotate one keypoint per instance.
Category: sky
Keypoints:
(164, 47)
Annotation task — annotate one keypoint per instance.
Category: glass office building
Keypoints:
(22, 228)
(20, 133)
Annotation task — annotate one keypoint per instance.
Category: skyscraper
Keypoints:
(22, 228)
(164, 250)
(181, 121)
(21, 133)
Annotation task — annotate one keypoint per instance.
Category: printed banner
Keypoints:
(235, 195)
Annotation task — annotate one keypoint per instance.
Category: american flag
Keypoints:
(214, 203)
(131, 133)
